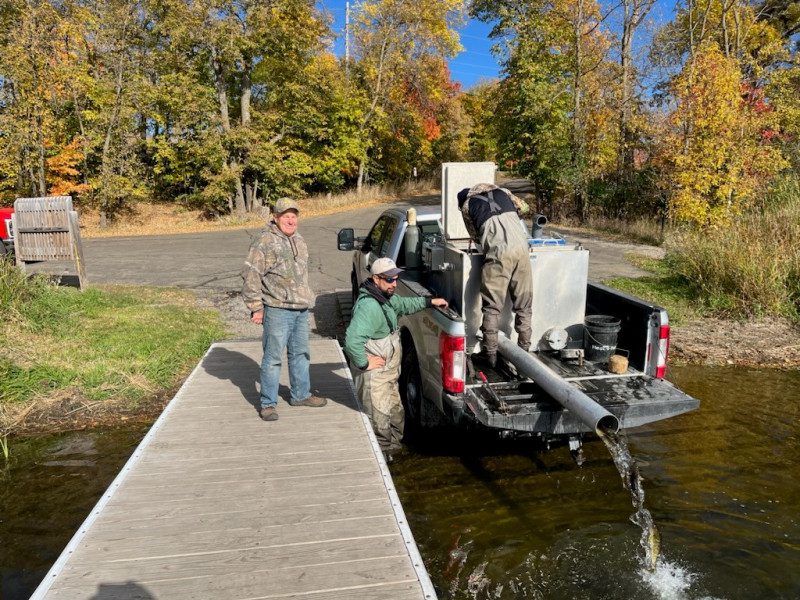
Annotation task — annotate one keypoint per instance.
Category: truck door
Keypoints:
(377, 245)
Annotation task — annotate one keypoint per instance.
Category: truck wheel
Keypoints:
(411, 393)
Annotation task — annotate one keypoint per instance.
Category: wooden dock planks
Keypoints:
(216, 503)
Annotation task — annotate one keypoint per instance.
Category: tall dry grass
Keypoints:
(642, 231)
(163, 219)
(750, 269)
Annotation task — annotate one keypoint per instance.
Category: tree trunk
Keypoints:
(244, 105)
(21, 172)
(360, 181)
(106, 212)
(633, 13)
(578, 140)
(220, 81)
(249, 197)
(247, 92)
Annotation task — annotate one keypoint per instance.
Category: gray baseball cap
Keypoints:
(386, 267)
(284, 204)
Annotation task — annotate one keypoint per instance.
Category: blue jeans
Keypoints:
(285, 329)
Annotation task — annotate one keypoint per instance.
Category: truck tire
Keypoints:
(411, 393)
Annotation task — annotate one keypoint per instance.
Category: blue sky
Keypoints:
(476, 62)
(473, 64)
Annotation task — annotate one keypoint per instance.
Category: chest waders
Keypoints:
(506, 272)
(379, 392)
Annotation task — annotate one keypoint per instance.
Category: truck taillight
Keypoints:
(451, 353)
(663, 349)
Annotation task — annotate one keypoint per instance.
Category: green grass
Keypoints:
(662, 287)
(119, 343)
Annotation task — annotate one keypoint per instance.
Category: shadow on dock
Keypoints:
(247, 373)
(122, 591)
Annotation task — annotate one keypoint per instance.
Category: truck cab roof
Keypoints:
(424, 213)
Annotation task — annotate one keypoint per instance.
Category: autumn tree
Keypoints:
(480, 106)
(554, 95)
(395, 41)
(28, 29)
(254, 55)
(719, 148)
(633, 14)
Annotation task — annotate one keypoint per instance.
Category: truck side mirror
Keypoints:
(345, 239)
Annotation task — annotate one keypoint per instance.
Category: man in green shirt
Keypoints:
(372, 343)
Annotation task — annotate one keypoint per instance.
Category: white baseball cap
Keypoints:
(386, 267)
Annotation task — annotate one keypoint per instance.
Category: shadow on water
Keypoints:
(47, 490)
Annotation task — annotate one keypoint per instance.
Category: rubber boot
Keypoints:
(524, 343)
(489, 346)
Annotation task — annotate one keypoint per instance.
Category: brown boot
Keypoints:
(268, 413)
(315, 401)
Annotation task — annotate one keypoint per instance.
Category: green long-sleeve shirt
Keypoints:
(373, 321)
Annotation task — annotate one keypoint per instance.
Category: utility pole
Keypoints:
(346, 36)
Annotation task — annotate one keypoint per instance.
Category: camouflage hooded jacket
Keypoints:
(276, 272)
(474, 229)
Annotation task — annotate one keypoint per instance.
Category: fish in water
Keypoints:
(654, 544)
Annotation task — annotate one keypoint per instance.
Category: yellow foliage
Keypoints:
(716, 149)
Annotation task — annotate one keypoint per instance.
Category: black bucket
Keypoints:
(600, 337)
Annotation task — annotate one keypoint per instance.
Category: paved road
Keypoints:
(209, 263)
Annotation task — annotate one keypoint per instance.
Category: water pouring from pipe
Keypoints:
(650, 541)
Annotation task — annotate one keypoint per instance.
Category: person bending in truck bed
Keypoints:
(491, 215)
(372, 343)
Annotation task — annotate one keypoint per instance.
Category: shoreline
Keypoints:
(767, 344)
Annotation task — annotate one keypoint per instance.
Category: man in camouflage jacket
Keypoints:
(277, 294)
(492, 217)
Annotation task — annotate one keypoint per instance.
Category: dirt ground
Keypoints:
(765, 343)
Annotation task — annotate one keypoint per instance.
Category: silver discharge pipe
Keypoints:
(568, 396)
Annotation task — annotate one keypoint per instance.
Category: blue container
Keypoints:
(547, 242)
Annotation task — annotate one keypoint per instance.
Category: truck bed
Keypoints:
(634, 398)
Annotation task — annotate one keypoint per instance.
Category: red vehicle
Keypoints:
(6, 231)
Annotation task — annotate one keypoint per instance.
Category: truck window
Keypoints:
(388, 234)
(376, 235)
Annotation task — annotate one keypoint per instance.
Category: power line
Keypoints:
(475, 52)
(475, 37)
(474, 65)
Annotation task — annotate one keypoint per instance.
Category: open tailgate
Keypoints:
(634, 398)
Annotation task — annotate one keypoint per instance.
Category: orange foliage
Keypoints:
(62, 171)
(433, 130)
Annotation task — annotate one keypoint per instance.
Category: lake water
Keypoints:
(722, 484)
(499, 520)
(46, 492)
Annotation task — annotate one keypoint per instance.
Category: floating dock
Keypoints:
(215, 503)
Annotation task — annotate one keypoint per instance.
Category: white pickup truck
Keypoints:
(439, 380)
